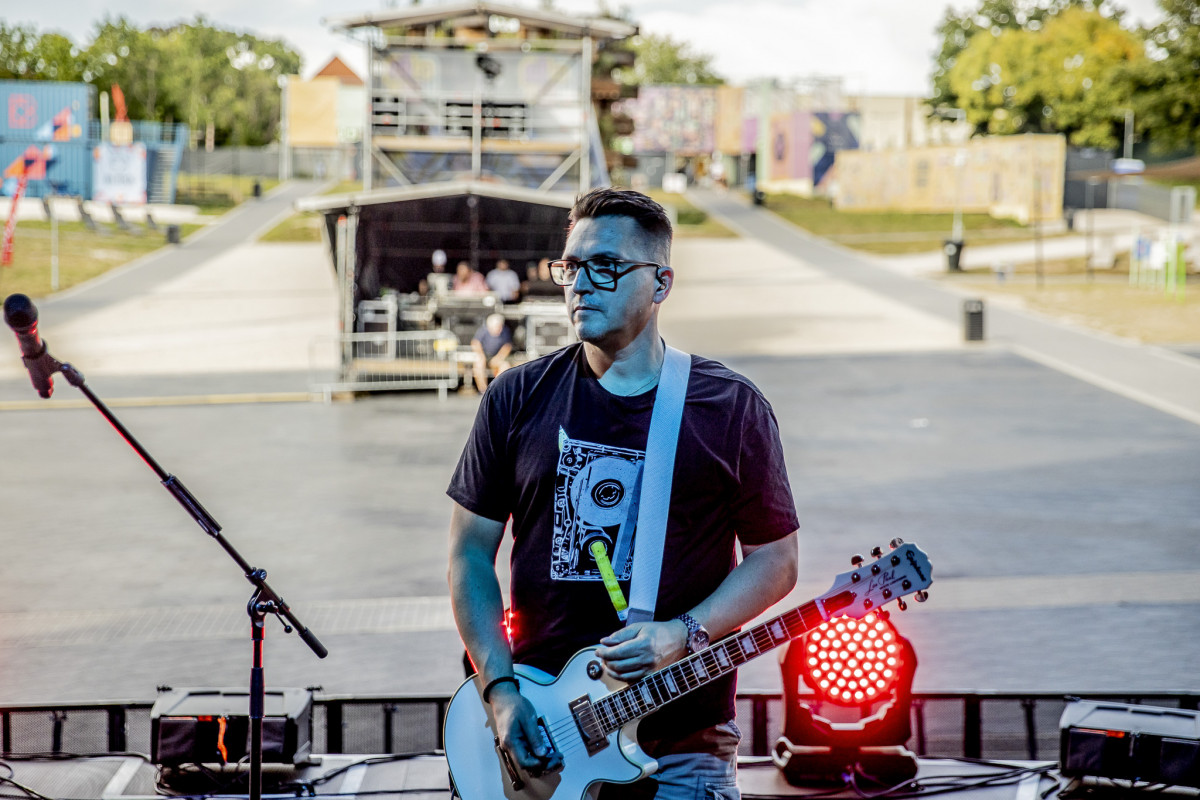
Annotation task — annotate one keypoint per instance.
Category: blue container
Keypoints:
(44, 132)
(45, 111)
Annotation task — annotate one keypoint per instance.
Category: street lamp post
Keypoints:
(1129, 133)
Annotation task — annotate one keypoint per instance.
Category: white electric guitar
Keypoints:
(592, 718)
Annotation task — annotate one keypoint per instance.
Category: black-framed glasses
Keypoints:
(602, 272)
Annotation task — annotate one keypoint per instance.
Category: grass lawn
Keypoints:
(690, 221)
(302, 227)
(306, 225)
(82, 254)
(216, 194)
(1105, 302)
(892, 233)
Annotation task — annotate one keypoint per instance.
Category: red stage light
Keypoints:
(851, 662)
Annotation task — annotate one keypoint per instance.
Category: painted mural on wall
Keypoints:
(41, 126)
(678, 119)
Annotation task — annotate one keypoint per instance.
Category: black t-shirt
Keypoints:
(559, 454)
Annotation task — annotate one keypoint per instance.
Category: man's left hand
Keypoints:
(635, 651)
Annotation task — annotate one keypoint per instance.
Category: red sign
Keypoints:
(10, 227)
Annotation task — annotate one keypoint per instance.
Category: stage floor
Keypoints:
(425, 777)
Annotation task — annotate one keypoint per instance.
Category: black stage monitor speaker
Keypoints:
(212, 726)
(1130, 742)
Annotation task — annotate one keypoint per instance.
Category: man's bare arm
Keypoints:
(475, 591)
(479, 613)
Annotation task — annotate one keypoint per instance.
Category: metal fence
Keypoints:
(994, 725)
(341, 163)
(390, 361)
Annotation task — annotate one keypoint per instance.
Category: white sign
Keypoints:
(119, 174)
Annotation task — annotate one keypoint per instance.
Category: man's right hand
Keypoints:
(517, 728)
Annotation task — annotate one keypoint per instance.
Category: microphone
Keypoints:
(21, 315)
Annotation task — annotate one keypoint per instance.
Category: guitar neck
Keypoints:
(659, 688)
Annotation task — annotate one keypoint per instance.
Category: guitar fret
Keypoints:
(722, 654)
(659, 690)
(606, 711)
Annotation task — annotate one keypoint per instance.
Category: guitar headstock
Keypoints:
(868, 587)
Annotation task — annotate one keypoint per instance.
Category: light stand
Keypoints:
(262, 602)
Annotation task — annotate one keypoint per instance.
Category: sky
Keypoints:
(875, 46)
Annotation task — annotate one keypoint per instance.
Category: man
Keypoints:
(504, 282)
(468, 281)
(557, 444)
(492, 345)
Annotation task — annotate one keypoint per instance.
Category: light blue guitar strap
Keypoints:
(654, 500)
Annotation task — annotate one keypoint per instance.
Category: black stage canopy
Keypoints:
(398, 230)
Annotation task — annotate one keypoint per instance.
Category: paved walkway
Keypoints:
(264, 317)
(1158, 377)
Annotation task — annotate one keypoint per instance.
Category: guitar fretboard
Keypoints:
(659, 688)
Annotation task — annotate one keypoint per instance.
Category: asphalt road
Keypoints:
(1060, 515)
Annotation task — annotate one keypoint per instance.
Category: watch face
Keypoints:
(698, 640)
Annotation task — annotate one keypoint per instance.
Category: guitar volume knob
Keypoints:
(594, 670)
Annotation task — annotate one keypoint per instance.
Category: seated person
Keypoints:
(492, 344)
(504, 282)
(540, 284)
(468, 281)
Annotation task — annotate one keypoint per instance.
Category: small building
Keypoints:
(482, 90)
(480, 130)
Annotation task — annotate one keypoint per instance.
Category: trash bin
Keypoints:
(173, 234)
(759, 198)
(1069, 218)
(258, 189)
(953, 249)
(973, 320)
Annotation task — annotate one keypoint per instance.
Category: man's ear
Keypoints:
(665, 278)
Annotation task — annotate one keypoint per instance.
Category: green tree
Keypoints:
(1066, 76)
(661, 59)
(1166, 89)
(958, 29)
(26, 55)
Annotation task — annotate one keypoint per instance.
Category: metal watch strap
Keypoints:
(692, 628)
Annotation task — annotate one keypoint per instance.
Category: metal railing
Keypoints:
(391, 361)
(996, 725)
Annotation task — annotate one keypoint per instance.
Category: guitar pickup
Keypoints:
(589, 727)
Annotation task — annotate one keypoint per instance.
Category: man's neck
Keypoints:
(631, 369)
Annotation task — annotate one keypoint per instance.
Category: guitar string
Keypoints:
(711, 667)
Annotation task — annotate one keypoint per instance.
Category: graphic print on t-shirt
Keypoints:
(595, 499)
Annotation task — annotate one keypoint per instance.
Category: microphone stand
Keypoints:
(262, 602)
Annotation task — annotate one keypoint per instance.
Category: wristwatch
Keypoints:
(697, 638)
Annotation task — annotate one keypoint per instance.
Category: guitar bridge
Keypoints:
(589, 727)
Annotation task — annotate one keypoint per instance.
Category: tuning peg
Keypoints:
(894, 543)
(884, 614)
(921, 596)
(876, 552)
(903, 606)
(856, 560)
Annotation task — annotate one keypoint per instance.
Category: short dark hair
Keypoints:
(612, 202)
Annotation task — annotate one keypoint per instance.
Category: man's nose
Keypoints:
(583, 281)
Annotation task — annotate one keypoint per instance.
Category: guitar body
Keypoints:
(591, 718)
(475, 763)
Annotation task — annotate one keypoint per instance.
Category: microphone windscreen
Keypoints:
(20, 312)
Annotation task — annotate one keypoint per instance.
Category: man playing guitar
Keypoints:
(558, 445)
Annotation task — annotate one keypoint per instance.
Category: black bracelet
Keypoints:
(487, 690)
